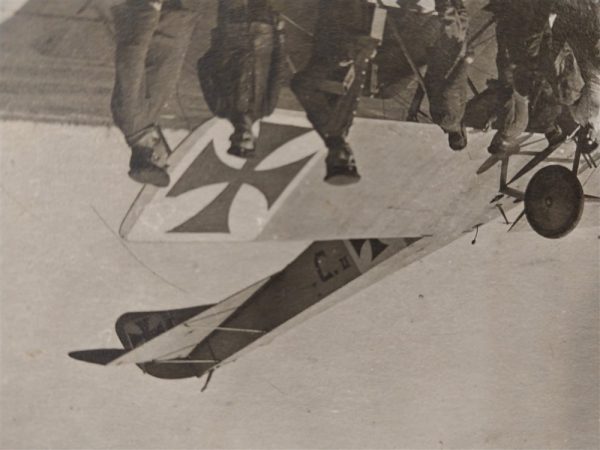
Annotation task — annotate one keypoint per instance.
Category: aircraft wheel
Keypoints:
(554, 201)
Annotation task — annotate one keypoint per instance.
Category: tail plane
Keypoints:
(190, 342)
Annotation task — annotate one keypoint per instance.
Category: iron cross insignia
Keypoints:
(208, 169)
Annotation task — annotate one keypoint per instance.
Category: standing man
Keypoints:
(152, 39)
(446, 77)
(330, 85)
(241, 74)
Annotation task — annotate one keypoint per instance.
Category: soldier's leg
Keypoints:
(166, 54)
(446, 77)
(448, 104)
(255, 87)
(262, 35)
(503, 62)
(512, 115)
(317, 103)
(513, 118)
(586, 111)
(242, 139)
(163, 64)
(135, 24)
(331, 122)
(545, 110)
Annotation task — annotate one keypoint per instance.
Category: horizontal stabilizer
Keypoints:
(170, 335)
(101, 356)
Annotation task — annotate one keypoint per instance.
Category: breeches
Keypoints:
(329, 116)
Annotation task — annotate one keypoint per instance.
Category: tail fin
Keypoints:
(137, 328)
(167, 356)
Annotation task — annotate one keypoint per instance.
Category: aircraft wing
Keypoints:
(181, 343)
(409, 181)
(177, 342)
(166, 335)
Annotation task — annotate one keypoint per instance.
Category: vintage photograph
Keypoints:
(300, 224)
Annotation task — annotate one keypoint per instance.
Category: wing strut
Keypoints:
(233, 330)
(210, 372)
(474, 241)
(517, 220)
(541, 156)
(185, 361)
(208, 377)
(409, 59)
(297, 25)
(499, 206)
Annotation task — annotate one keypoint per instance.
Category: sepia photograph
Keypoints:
(300, 224)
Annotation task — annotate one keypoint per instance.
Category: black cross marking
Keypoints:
(377, 247)
(208, 169)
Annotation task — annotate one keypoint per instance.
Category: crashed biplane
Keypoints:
(411, 187)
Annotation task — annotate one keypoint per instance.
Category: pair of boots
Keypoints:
(149, 154)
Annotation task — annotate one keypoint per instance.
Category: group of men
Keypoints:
(544, 46)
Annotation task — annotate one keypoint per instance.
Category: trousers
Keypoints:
(150, 51)
(330, 85)
(446, 77)
(526, 72)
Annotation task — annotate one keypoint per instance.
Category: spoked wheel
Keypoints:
(554, 201)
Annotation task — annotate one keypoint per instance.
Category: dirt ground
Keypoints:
(493, 345)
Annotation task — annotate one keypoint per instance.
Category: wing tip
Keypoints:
(102, 356)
